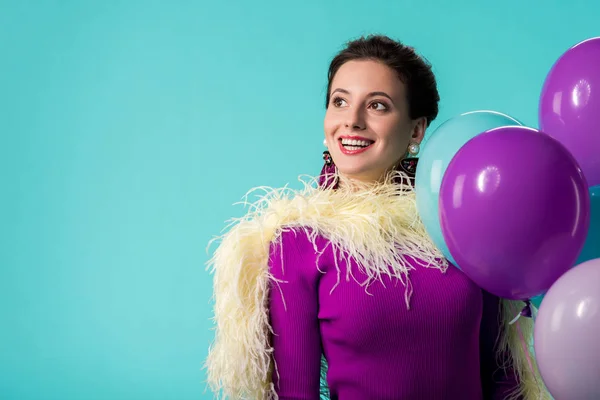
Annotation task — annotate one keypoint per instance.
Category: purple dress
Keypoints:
(443, 347)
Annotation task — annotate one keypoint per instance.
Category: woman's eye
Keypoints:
(338, 102)
(378, 106)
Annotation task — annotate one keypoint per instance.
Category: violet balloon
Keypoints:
(569, 108)
(514, 210)
(566, 334)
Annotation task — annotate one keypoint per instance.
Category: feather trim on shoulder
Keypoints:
(375, 224)
(369, 223)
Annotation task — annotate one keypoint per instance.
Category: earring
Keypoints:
(327, 158)
(409, 165)
(328, 178)
(413, 149)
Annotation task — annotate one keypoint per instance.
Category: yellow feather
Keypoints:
(517, 343)
(377, 224)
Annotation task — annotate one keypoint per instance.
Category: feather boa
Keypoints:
(368, 222)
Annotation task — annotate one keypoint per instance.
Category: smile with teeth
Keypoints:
(354, 144)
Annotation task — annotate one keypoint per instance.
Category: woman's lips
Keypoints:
(353, 149)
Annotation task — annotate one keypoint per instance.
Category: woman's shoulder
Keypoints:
(297, 240)
(295, 251)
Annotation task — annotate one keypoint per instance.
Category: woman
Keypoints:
(337, 289)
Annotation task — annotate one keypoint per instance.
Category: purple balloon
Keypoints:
(566, 334)
(514, 210)
(569, 108)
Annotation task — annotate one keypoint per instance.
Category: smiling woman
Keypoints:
(371, 99)
(337, 291)
(367, 130)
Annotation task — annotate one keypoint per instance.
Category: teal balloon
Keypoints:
(437, 152)
(591, 248)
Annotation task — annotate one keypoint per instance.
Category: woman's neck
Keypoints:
(393, 176)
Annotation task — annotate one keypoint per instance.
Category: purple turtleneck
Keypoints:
(443, 347)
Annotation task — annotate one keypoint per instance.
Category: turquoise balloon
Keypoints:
(437, 152)
(591, 248)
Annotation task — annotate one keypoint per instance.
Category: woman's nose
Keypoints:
(355, 120)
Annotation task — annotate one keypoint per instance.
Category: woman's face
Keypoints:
(367, 125)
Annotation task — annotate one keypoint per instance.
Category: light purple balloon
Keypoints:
(567, 334)
(569, 108)
(514, 211)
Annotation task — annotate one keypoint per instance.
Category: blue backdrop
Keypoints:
(129, 128)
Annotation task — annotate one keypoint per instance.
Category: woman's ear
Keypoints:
(418, 132)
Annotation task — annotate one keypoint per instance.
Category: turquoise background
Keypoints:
(129, 128)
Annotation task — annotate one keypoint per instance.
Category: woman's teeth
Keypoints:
(352, 144)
